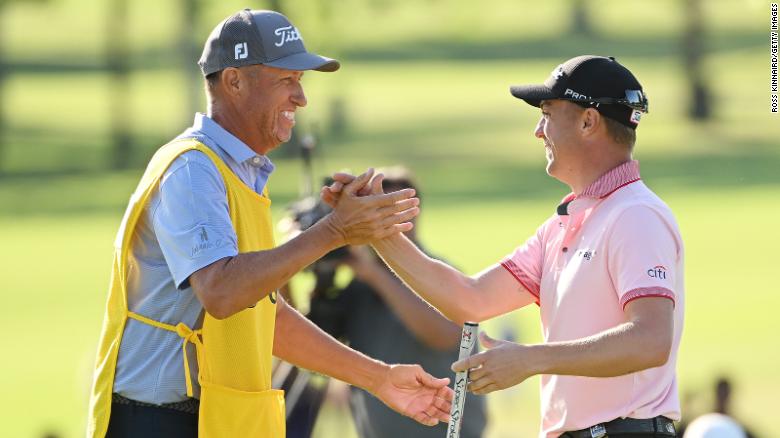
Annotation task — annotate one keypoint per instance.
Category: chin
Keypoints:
(280, 140)
(283, 135)
(550, 168)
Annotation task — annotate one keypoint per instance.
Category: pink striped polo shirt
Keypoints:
(613, 243)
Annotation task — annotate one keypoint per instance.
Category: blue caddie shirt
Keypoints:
(185, 226)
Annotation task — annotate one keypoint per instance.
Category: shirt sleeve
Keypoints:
(526, 262)
(192, 219)
(643, 254)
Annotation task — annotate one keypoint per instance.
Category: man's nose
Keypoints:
(299, 97)
(539, 133)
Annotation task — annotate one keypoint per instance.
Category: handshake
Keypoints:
(362, 212)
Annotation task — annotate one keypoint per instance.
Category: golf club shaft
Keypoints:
(467, 340)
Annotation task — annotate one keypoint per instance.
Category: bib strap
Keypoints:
(185, 333)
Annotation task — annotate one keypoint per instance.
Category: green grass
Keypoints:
(422, 83)
(58, 268)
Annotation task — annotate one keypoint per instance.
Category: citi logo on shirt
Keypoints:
(658, 272)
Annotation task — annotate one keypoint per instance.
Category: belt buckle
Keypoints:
(598, 431)
(670, 427)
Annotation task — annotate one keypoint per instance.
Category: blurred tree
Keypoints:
(276, 5)
(2, 83)
(189, 49)
(580, 20)
(338, 123)
(3, 73)
(119, 87)
(700, 107)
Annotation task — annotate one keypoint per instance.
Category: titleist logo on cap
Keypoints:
(286, 34)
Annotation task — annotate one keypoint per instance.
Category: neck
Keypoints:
(592, 168)
(229, 119)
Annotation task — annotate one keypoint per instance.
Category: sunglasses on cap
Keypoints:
(634, 99)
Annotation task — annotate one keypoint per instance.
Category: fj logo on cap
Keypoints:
(635, 117)
(241, 51)
(286, 34)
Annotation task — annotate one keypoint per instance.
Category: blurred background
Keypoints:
(89, 89)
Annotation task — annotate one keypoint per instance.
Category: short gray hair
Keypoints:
(212, 80)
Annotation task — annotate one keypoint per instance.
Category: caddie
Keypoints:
(193, 316)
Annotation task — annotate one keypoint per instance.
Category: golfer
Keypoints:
(606, 270)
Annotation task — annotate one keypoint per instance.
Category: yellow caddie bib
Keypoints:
(234, 354)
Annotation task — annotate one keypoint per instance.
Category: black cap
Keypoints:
(259, 37)
(592, 81)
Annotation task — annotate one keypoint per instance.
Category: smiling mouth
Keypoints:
(548, 149)
(289, 115)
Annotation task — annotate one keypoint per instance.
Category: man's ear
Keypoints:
(590, 121)
(231, 81)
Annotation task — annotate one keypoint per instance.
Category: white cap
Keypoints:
(714, 426)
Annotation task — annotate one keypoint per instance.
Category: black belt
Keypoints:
(661, 426)
(189, 406)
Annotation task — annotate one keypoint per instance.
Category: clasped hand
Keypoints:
(501, 365)
(411, 391)
(363, 213)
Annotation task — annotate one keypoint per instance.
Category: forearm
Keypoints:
(444, 287)
(235, 283)
(425, 322)
(300, 342)
(644, 341)
(624, 349)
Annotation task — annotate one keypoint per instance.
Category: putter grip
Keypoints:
(467, 340)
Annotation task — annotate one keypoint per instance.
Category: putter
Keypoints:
(467, 340)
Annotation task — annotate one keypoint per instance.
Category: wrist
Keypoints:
(329, 227)
(388, 242)
(540, 361)
(379, 374)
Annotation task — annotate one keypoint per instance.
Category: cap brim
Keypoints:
(532, 94)
(305, 61)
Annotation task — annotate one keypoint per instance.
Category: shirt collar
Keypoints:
(616, 178)
(235, 148)
(604, 186)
